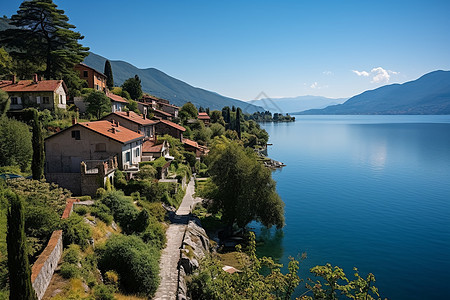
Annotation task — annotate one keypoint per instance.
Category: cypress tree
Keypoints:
(37, 164)
(20, 287)
(109, 75)
(226, 116)
(238, 121)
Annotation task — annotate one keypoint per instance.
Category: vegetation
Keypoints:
(267, 117)
(134, 261)
(76, 231)
(109, 75)
(37, 164)
(15, 144)
(41, 38)
(241, 187)
(4, 101)
(19, 268)
(97, 103)
(133, 87)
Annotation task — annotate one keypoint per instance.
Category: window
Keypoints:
(100, 147)
(137, 152)
(127, 156)
(85, 73)
(60, 99)
(76, 134)
(14, 101)
(46, 100)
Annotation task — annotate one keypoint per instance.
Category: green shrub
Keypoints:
(135, 262)
(84, 198)
(69, 271)
(104, 292)
(82, 210)
(102, 212)
(155, 234)
(111, 277)
(72, 254)
(76, 231)
(100, 194)
(119, 179)
(40, 221)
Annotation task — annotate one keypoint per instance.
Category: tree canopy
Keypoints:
(42, 35)
(241, 187)
(15, 143)
(133, 87)
(98, 103)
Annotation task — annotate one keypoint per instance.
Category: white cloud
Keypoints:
(362, 73)
(316, 86)
(379, 75)
(327, 73)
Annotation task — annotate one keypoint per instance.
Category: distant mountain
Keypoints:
(4, 24)
(296, 104)
(428, 95)
(162, 85)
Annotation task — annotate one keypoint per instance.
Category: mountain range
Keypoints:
(296, 104)
(428, 95)
(161, 85)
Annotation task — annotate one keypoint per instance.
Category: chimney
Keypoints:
(128, 113)
(35, 78)
(13, 78)
(74, 120)
(113, 130)
(145, 116)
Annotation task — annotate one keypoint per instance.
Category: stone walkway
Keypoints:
(170, 256)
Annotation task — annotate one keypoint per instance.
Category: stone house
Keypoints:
(95, 79)
(193, 146)
(117, 103)
(82, 157)
(169, 108)
(202, 116)
(152, 150)
(133, 121)
(167, 127)
(42, 94)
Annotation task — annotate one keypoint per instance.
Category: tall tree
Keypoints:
(133, 87)
(226, 113)
(242, 188)
(15, 143)
(42, 34)
(238, 121)
(19, 268)
(109, 75)
(37, 164)
(98, 103)
(4, 103)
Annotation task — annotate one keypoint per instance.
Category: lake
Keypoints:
(371, 192)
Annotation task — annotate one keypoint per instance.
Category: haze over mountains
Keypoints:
(428, 95)
(164, 86)
(296, 104)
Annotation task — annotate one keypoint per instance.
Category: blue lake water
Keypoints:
(371, 192)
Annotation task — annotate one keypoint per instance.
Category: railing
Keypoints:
(104, 166)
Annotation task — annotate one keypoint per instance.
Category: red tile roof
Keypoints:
(203, 116)
(191, 143)
(115, 132)
(30, 86)
(170, 105)
(115, 97)
(162, 112)
(149, 146)
(133, 117)
(86, 66)
(172, 124)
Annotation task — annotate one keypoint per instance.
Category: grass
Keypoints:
(231, 259)
(119, 296)
(210, 222)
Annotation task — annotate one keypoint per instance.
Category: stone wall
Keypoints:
(70, 181)
(45, 265)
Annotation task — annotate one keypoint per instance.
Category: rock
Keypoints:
(195, 246)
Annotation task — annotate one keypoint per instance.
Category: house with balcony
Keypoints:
(43, 94)
(82, 157)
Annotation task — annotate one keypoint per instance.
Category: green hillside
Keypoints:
(164, 86)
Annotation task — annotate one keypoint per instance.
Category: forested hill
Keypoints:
(428, 95)
(164, 86)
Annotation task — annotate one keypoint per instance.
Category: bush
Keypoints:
(135, 262)
(155, 234)
(104, 292)
(72, 254)
(102, 212)
(82, 210)
(111, 277)
(69, 271)
(100, 193)
(76, 231)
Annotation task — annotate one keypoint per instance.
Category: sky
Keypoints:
(241, 49)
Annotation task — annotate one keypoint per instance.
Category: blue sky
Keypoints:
(332, 48)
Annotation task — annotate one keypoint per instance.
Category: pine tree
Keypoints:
(20, 287)
(133, 87)
(43, 35)
(109, 75)
(37, 164)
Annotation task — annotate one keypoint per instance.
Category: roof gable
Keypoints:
(31, 86)
(133, 117)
